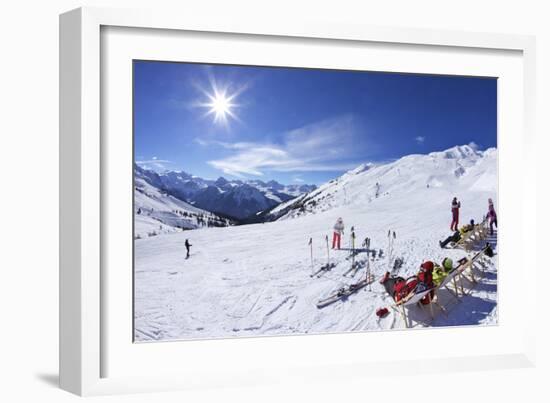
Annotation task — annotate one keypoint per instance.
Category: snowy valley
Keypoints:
(235, 199)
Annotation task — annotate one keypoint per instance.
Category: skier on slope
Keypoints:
(338, 231)
(455, 206)
(188, 247)
(492, 215)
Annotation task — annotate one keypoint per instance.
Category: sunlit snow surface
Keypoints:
(255, 280)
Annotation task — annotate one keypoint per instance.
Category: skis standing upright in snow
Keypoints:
(354, 267)
(366, 244)
(328, 250)
(368, 269)
(352, 245)
(310, 243)
(352, 239)
(327, 267)
(391, 241)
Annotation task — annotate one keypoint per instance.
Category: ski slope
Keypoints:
(255, 279)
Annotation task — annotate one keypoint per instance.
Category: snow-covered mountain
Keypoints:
(235, 198)
(252, 280)
(156, 212)
(460, 165)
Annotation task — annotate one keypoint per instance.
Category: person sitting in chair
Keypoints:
(458, 234)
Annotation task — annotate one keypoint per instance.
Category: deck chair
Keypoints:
(478, 257)
(481, 230)
(414, 299)
(452, 283)
(466, 241)
(451, 277)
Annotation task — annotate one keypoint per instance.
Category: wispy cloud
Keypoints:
(155, 164)
(326, 146)
(420, 139)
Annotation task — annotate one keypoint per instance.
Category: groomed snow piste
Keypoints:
(255, 279)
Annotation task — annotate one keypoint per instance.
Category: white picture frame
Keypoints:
(88, 332)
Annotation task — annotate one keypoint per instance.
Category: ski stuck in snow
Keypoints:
(344, 292)
(325, 268)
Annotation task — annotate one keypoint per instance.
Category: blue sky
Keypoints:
(300, 125)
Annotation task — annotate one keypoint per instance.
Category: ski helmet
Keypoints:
(447, 263)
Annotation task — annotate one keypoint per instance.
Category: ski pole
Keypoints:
(311, 252)
(368, 273)
(389, 246)
(328, 250)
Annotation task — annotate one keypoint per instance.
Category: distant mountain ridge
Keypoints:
(437, 172)
(234, 198)
(156, 212)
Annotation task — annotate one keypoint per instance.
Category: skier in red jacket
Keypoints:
(455, 206)
(338, 231)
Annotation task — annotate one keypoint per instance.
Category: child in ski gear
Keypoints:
(338, 231)
(455, 206)
(188, 247)
(492, 216)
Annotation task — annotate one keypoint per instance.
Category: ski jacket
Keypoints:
(438, 275)
(492, 214)
(455, 206)
(466, 228)
(339, 227)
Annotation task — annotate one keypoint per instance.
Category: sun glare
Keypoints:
(220, 103)
(221, 106)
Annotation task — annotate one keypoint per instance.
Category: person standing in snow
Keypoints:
(455, 206)
(492, 216)
(188, 247)
(338, 231)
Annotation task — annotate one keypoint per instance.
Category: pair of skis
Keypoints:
(323, 270)
(345, 292)
(353, 269)
(327, 267)
(354, 265)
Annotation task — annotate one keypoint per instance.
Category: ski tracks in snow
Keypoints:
(255, 279)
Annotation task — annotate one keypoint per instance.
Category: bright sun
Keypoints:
(220, 103)
(221, 106)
